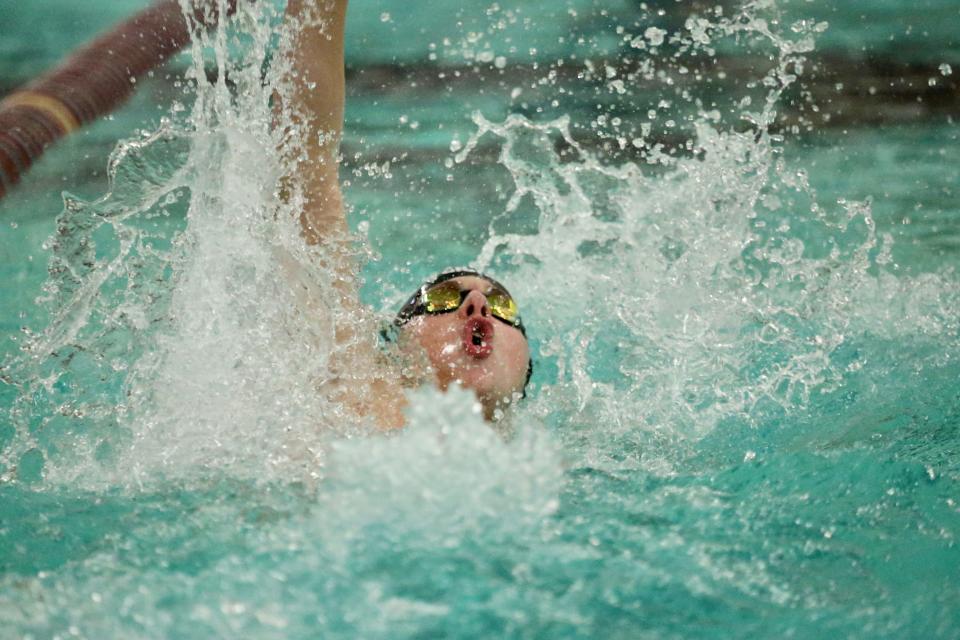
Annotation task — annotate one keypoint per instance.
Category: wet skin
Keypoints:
(471, 347)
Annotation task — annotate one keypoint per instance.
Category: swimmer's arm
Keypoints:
(316, 91)
(316, 96)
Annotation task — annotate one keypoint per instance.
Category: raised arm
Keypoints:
(315, 101)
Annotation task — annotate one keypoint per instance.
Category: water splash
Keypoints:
(699, 287)
(193, 332)
(702, 284)
(178, 341)
(696, 291)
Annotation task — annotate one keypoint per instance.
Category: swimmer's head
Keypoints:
(468, 326)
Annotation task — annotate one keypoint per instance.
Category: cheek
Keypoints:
(516, 355)
(438, 339)
(507, 367)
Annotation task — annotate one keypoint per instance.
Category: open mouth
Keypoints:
(477, 337)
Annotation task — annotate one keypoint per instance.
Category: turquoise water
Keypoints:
(744, 419)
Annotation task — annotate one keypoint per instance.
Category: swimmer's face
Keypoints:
(471, 347)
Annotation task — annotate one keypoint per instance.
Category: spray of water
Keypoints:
(668, 298)
(193, 331)
(701, 284)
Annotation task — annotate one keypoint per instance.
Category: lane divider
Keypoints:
(92, 82)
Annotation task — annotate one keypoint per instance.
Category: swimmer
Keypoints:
(461, 327)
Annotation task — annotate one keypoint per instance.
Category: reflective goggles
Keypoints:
(447, 296)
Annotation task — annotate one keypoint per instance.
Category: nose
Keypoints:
(475, 304)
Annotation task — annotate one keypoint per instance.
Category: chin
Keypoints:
(472, 376)
(490, 389)
(485, 383)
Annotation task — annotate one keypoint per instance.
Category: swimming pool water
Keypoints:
(745, 412)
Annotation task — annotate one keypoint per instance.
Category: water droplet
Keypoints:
(654, 36)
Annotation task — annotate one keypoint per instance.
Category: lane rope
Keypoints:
(46, 104)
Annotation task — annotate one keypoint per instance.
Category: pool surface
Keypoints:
(733, 232)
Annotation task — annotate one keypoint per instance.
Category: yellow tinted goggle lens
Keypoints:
(448, 297)
(502, 306)
(443, 297)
